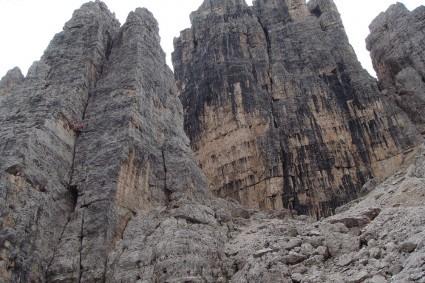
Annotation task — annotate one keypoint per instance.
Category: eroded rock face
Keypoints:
(396, 45)
(278, 109)
(10, 81)
(380, 238)
(132, 160)
(122, 200)
(37, 142)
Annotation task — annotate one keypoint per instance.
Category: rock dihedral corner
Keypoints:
(133, 169)
(69, 197)
(279, 111)
(38, 141)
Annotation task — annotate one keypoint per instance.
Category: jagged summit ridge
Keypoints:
(279, 111)
(219, 7)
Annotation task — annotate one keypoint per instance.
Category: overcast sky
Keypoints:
(27, 26)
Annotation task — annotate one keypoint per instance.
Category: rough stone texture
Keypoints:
(132, 158)
(389, 247)
(396, 43)
(278, 109)
(37, 142)
(10, 82)
(124, 201)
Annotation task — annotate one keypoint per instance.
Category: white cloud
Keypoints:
(27, 26)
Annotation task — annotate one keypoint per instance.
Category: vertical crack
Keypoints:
(73, 191)
(81, 248)
(288, 190)
(289, 201)
(55, 249)
(167, 191)
(268, 42)
(274, 121)
(269, 71)
(72, 188)
(105, 270)
(95, 70)
(37, 227)
(95, 79)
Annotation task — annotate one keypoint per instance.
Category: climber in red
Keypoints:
(79, 128)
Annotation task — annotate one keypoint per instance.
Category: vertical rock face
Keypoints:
(121, 199)
(278, 109)
(37, 142)
(396, 43)
(132, 157)
(226, 113)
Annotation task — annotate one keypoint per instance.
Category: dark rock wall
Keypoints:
(278, 109)
(396, 44)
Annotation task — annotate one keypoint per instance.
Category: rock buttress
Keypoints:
(396, 44)
(132, 160)
(37, 142)
(278, 109)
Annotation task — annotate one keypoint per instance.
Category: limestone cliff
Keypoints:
(279, 112)
(38, 140)
(132, 126)
(69, 196)
(123, 200)
(377, 238)
(396, 44)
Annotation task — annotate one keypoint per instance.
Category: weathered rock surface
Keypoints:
(396, 43)
(278, 109)
(121, 200)
(132, 158)
(10, 82)
(37, 142)
(124, 201)
(389, 247)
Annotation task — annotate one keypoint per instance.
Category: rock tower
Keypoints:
(279, 111)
